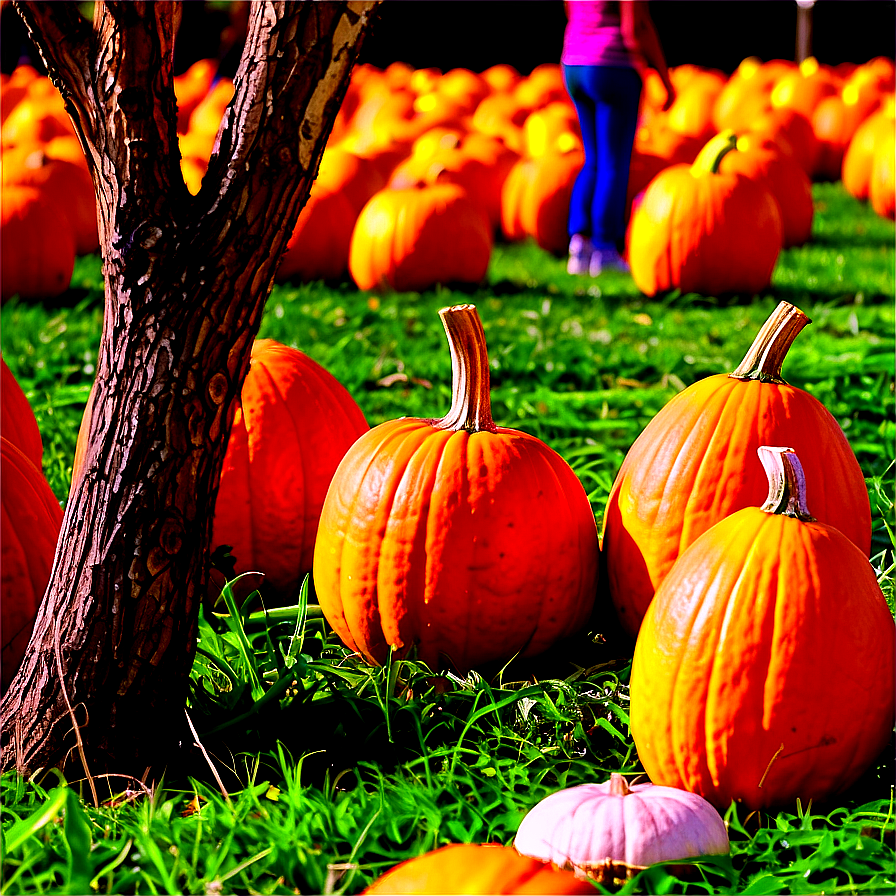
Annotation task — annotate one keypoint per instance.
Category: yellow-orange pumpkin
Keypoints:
(699, 230)
(744, 682)
(414, 238)
(471, 541)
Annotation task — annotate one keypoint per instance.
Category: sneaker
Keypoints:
(580, 254)
(607, 260)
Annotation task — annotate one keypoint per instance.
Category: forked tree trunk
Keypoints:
(186, 281)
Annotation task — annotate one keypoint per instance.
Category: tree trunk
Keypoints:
(107, 667)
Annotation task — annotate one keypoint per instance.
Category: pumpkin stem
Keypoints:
(710, 157)
(786, 483)
(765, 356)
(618, 785)
(471, 405)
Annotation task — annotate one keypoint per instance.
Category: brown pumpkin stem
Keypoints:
(765, 356)
(471, 405)
(786, 483)
(618, 785)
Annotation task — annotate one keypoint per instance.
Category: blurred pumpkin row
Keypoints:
(424, 169)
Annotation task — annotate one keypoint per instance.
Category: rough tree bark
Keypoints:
(186, 281)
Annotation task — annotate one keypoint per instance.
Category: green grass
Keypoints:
(334, 771)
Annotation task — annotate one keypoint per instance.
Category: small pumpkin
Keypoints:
(29, 529)
(471, 541)
(17, 420)
(699, 230)
(610, 831)
(693, 465)
(413, 238)
(744, 681)
(471, 868)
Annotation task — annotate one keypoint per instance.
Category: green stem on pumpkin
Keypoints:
(618, 785)
(786, 483)
(471, 405)
(710, 157)
(765, 356)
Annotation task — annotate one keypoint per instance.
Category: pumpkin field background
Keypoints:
(333, 771)
(304, 770)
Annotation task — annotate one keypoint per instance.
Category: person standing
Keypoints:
(605, 44)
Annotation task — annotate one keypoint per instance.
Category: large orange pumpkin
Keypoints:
(294, 423)
(17, 420)
(699, 230)
(412, 239)
(764, 671)
(29, 528)
(471, 868)
(471, 541)
(859, 155)
(694, 464)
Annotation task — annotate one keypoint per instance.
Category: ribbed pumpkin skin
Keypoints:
(713, 234)
(475, 546)
(484, 868)
(17, 420)
(695, 463)
(412, 239)
(29, 528)
(767, 656)
(293, 426)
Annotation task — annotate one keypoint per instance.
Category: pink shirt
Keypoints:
(593, 34)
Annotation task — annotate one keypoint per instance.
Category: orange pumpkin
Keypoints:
(318, 247)
(694, 464)
(65, 182)
(470, 868)
(294, 423)
(785, 180)
(750, 649)
(37, 248)
(700, 230)
(412, 239)
(29, 528)
(471, 541)
(17, 420)
(535, 198)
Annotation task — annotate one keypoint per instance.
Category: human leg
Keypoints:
(618, 92)
(580, 205)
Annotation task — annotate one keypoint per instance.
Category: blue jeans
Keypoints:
(606, 100)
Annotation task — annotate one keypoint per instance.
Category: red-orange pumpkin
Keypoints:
(744, 682)
(318, 247)
(471, 541)
(37, 248)
(471, 868)
(412, 239)
(694, 464)
(17, 420)
(785, 180)
(294, 423)
(29, 528)
(699, 230)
